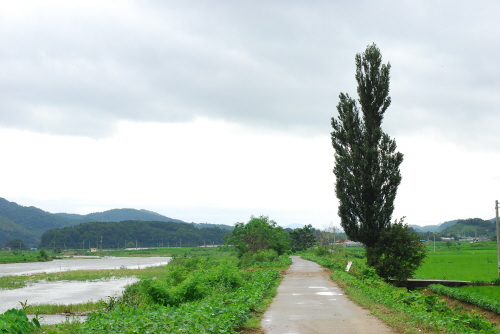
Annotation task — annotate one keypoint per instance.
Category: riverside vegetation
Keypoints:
(192, 294)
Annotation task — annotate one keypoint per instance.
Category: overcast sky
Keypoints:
(212, 111)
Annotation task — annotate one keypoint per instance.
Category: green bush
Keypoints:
(16, 322)
(186, 286)
(322, 251)
(398, 253)
(251, 259)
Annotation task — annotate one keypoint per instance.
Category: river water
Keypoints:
(70, 292)
(81, 263)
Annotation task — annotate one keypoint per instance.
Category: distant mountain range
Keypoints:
(118, 215)
(29, 223)
(461, 227)
(433, 228)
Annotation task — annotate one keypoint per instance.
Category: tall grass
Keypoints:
(63, 308)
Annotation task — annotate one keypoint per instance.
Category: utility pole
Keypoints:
(435, 242)
(498, 237)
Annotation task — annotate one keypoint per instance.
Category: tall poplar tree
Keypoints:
(366, 161)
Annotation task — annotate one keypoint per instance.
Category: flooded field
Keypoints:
(63, 292)
(79, 263)
(70, 292)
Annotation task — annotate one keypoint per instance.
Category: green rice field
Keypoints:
(463, 261)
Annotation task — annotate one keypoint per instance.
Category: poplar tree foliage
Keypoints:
(366, 162)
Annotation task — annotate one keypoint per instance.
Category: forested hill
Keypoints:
(118, 215)
(433, 228)
(27, 223)
(112, 235)
(10, 230)
(471, 227)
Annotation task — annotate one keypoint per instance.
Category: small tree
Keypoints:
(366, 161)
(257, 235)
(302, 238)
(16, 244)
(400, 252)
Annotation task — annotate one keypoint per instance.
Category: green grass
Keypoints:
(467, 262)
(173, 251)
(62, 308)
(492, 292)
(20, 256)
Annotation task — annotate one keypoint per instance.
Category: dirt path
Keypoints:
(309, 302)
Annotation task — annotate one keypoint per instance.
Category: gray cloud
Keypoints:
(281, 65)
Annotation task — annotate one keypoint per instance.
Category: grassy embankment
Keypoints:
(405, 311)
(461, 261)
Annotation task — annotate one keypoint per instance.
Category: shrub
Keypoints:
(250, 259)
(193, 285)
(16, 321)
(398, 254)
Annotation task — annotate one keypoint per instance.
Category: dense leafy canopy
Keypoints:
(366, 161)
(302, 238)
(400, 252)
(257, 235)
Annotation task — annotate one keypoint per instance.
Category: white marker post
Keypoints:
(349, 264)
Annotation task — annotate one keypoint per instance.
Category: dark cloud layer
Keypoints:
(79, 67)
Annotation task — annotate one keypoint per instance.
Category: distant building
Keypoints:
(349, 243)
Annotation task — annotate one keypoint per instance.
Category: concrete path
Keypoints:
(308, 302)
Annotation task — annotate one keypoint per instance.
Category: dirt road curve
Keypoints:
(309, 302)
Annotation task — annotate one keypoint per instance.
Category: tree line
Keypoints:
(131, 233)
